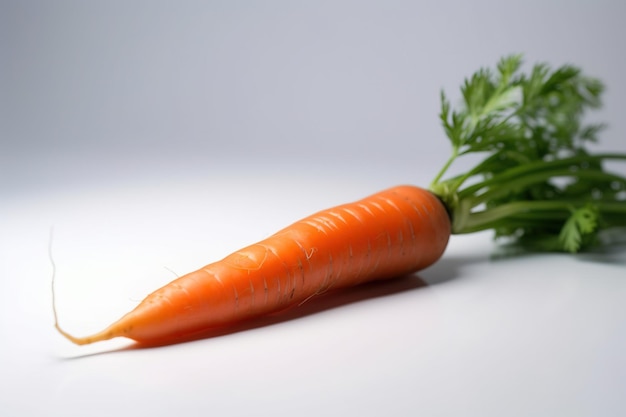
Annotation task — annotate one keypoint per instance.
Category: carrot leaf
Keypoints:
(582, 222)
(536, 180)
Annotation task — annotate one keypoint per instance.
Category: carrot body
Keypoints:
(391, 233)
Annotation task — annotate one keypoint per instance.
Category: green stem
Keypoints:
(525, 181)
(490, 218)
(548, 168)
(485, 219)
(453, 156)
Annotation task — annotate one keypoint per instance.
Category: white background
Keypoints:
(156, 137)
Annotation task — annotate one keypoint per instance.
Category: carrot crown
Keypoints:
(536, 182)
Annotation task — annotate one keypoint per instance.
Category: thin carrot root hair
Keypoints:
(104, 335)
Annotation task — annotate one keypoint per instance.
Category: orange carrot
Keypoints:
(391, 233)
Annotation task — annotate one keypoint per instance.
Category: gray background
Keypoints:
(156, 137)
(112, 91)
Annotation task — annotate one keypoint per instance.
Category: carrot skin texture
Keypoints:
(394, 232)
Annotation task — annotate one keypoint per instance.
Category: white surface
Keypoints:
(535, 335)
(157, 138)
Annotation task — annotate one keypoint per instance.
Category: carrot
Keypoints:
(391, 233)
(527, 128)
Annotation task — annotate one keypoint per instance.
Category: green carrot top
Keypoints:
(536, 181)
